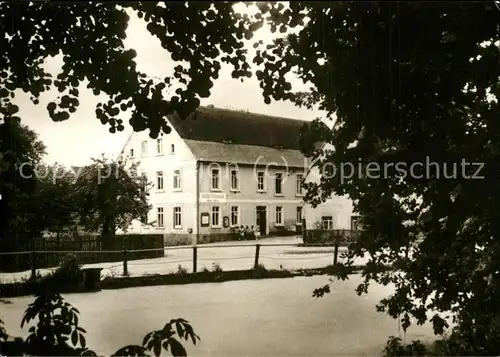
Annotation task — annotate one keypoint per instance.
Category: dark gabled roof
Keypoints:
(238, 127)
(247, 154)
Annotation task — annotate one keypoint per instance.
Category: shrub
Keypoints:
(181, 270)
(67, 275)
(218, 270)
(69, 269)
(260, 267)
(394, 348)
(260, 271)
(29, 279)
(284, 231)
(322, 236)
(216, 267)
(246, 233)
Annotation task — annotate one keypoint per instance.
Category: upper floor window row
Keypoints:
(159, 149)
(235, 179)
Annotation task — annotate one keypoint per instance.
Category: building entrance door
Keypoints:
(261, 214)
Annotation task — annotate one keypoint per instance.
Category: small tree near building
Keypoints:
(55, 200)
(110, 197)
(20, 152)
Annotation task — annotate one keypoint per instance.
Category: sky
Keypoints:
(78, 139)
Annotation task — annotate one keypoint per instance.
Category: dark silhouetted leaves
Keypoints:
(320, 292)
(90, 39)
(57, 324)
(406, 85)
(176, 348)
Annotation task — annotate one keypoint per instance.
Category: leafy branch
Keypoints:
(58, 333)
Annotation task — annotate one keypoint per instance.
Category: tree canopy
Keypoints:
(90, 38)
(54, 200)
(20, 152)
(407, 81)
(110, 196)
(38, 198)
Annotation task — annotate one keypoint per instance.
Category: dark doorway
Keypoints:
(262, 219)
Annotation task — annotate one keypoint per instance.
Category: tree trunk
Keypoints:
(108, 234)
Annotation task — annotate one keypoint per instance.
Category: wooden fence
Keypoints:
(49, 252)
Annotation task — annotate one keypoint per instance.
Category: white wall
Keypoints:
(182, 159)
(339, 207)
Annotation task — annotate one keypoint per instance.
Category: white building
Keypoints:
(335, 213)
(220, 169)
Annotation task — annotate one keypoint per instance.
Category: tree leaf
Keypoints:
(176, 348)
(74, 337)
(180, 329)
(130, 350)
(147, 338)
(157, 348)
(190, 333)
(83, 342)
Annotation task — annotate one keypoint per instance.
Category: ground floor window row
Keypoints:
(234, 218)
(260, 210)
(160, 218)
(327, 223)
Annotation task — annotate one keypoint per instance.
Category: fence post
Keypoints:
(336, 249)
(195, 258)
(335, 253)
(257, 252)
(125, 263)
(33, 265)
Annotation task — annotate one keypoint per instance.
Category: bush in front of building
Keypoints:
(318, 236)
(246, 233)
(68, 276)
(181, 270)
(285, 231)
(330, 237)
(69, 270)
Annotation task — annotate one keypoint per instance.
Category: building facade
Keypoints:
(218, 170)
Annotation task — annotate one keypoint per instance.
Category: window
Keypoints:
(355, 223)
(177, 217)
(172, 149)
(177, 180)
(159, 146)
(234, 216)
(300, 179)
(216, 216)
(215, 179)
(260, 181)
(235, 184)
(159, 219)
(278, 183)
(131, 152)
(144, 148)
(159, 180)
(279, 216)
(327, 222)
(299, 215)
